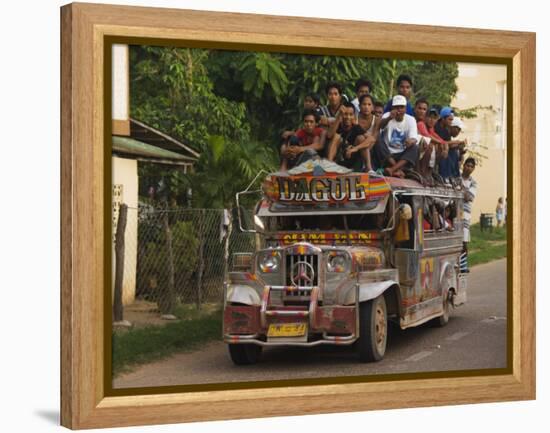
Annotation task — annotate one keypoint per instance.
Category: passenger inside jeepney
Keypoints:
(432, 221)
(427, 223)
(450, 215)
(444, 213)
(440, 214)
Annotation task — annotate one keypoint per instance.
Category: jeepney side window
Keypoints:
(450, 216)
(427, 223)
(439, 215)
(435, 215)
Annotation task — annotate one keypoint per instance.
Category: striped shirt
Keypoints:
(470, 191)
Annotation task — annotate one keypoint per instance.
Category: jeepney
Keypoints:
(339, 254)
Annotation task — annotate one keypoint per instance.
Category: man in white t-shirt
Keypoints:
(398, 145)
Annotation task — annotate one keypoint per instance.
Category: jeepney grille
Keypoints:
(302, 277)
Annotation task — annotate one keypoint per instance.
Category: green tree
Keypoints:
(435, 81)
(232, 106)
(262, 72)
(170, 89)
(257, 79)
(226, 168)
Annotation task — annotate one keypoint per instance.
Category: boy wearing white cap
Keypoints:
(456, 128)
(398, 145)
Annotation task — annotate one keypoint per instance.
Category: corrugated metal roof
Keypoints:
(129, 146)
(147, 134)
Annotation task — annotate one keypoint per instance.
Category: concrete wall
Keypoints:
(485, 85)
(125, 190)
(120, 90)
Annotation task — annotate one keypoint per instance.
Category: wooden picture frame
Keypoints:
(86, 32)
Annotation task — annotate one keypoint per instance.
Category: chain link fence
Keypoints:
(178, 256)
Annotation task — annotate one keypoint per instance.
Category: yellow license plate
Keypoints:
(286, 330)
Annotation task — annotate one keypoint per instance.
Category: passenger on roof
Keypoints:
(404, 88)
(448, 166)
(334, 102)
(350, 143)
(312, 101)
(442, 148)
(427, 146)
(397, 147)
(304, 144)
(456, 128)
(378, 109)
(362, 87)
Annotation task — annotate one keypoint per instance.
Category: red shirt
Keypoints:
(307, 139)
(422, 128)
(428, 132)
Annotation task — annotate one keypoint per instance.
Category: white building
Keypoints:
(485, 86)
(134, 142)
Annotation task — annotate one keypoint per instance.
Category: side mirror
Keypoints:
(244, 217)
(258, 224)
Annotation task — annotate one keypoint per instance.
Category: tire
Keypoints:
(245, 354)
(373, 330)
(441, 321)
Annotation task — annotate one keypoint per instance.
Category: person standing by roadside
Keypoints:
(499, 212)
(470, 190)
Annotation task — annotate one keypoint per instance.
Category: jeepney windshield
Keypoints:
(325, 222)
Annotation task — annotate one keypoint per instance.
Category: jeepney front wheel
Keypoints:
(373, 330)
(245, 354)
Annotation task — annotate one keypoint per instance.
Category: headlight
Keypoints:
(242, 262)
(337, 262)
(269, 261)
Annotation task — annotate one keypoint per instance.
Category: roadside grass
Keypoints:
(486, 246)
(140, 346)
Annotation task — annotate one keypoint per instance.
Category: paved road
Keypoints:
(475, 338)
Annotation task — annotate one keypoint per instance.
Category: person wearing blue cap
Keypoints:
(443, 129)
(448, 166)
(446, 112)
